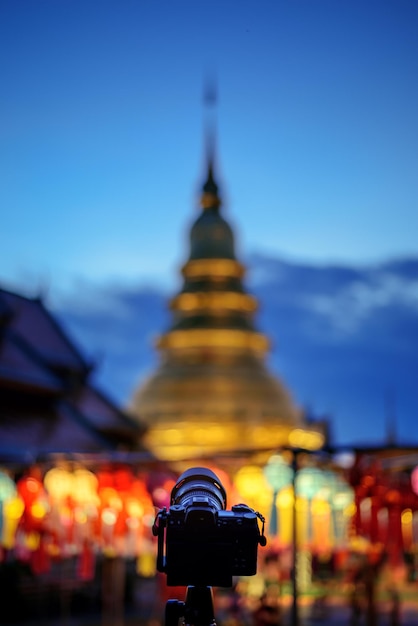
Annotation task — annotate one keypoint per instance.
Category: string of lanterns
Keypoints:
(76, 512)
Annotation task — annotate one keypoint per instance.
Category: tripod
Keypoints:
(197, 610)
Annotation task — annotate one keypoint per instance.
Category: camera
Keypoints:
(200, 543)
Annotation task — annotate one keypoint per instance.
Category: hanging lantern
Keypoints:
(309, 481)
(414, 480)
(12, 512)
(342, 509)
(84, 486)
(122, 479)
(284, 510)
(343, 496)
(29, 489)
(7, 487)
(279, 475)
(59, 483)
(104, 479)
(7, 492)
(252, 485)
(32, 492)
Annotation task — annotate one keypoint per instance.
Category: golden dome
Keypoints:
(202, 404)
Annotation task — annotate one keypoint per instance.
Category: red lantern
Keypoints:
(122, 479)
(35, 500)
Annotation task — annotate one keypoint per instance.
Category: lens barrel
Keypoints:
(199, 482)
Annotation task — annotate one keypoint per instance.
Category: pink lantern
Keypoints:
(414, 480)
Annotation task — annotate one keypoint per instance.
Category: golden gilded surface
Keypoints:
(214, 301)
(213, 338)
(188, 440)
(214, 268)
(222, 404)
(209, 200)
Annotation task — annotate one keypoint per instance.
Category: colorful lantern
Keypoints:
(59, 483)
(32, 492)
(308, 484)
(10, 509)
(253, 487)
(12, 513)
(414, 480)
(342, 509)
(279, 475)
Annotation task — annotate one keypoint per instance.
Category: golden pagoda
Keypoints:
(212, 392)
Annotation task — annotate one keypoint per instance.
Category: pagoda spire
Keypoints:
(210, 192)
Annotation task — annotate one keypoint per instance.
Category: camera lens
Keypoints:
(197, 483)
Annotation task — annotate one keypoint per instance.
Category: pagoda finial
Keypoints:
(210, 198)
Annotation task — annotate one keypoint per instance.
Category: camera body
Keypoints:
(206, 545)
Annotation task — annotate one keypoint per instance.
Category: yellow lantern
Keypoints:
(12, 512)
(59, 483)
(84, 487)
(252, 485)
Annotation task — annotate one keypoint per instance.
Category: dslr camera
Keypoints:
(200, 543)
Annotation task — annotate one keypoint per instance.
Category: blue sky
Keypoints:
(101, 132)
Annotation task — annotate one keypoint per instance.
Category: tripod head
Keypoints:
(197, 610)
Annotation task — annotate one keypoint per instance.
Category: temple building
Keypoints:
(213, 392)
(48, 401)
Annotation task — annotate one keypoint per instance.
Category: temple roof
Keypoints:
(47, 400)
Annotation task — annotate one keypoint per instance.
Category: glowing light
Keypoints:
(7, 487)
(342, 497)
(59, 483)
(214, 338)
(134, 508)
(414, 480)
(309, 481)
(32, 541)
(66, 515)
(278, 473)
(32, 485)
(406, 517)
(109, 517)
(214, 301)
(213, 267)
(110, 498)
(132, 523)
(172, 436)
(284, 503)
(84, 486)
(13, 509)
(307, 440)
(407, 528)
(253, 487)
(39, 509)
(285, 498)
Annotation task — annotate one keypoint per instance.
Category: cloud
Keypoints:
(357, 302)
(337, 303)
